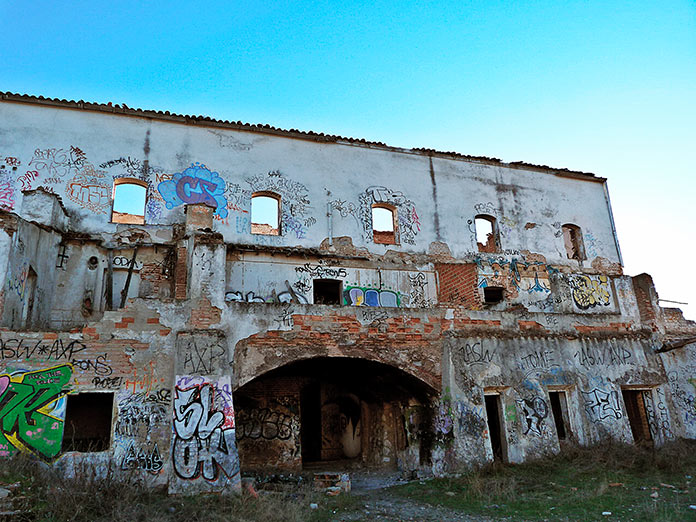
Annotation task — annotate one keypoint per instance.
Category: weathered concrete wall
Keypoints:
(221, 345)
(78, 154)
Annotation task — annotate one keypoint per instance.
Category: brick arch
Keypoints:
(267, 351)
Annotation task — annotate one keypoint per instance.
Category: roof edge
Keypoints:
(124, 110)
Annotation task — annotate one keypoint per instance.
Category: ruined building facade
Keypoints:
(287, 301)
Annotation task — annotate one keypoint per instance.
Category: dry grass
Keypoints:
(44, 494)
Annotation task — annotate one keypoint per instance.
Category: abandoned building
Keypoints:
(286, 300)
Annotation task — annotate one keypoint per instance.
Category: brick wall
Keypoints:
(458, 285)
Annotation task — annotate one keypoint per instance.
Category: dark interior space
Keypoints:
(327, 291)
(493, 294)
(494, 428)
(557, 409)
(88, 422)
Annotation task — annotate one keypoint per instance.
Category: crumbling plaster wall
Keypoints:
(79, 154)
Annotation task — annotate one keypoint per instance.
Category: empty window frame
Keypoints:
(486, 233)
(129, 198)
(559, 409)
(384, 224)
(265, 213)
(572, 237)
(88, 422)
(493, 294)
(327, 291)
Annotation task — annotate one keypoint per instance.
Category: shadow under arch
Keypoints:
(334, 413)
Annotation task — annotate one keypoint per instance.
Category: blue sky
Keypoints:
(605, 87)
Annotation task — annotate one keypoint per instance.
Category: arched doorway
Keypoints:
(334, 413)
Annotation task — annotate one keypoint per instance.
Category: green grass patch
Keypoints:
(578, 484)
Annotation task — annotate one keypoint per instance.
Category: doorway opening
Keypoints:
(495, 427)
(637, 417)
(334, 414)
(559, 409)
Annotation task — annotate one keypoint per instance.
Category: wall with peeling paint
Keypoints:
(221, 360)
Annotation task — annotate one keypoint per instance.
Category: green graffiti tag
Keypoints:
(28, 418)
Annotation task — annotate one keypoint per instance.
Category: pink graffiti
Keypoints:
(4, 383)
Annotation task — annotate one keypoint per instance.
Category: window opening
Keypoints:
(88, 422)
(495, 431)
(384, 224)
(635, 409)
(559, 408)
(129, 201)
(265, 212)
(486, 233)
(327, 291)
(493, 294)
(572, 237)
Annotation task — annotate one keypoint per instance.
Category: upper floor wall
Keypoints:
(325, 189)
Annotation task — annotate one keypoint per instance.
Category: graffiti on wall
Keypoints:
(200, 353)
(251, 297)
(417, 295)
(516, 276)
(90, 189)
(606, 355)
(204, 438)
(196, 184)
(601, 405)
(475, 353)
(360, 296)
(142, 459)
(534, 411)
(590, 291)
(267, 424)
(32, 411)
(17, 279)
(139, 413)
(471, 419)
(658, 417)
(408, 225)
(684, 395)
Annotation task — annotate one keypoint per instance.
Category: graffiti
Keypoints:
(321, 271)
(418, 299)
(251, 297)
(409, 223)
(516, 276)
(147, 461)
(302, 285)
(138, 412)
(143, 383)
(124, 262)
(196, 184)
(27, 178)
(202, 446)
(591, 244)
(57, 162)
(17, 281)
(7, 193)
(506, 226)
(293, 225)
(600, 404)
(153, 209)
(200, 353)
(471, 420)
(658, 418)
(590, 291)
(511, 413)
(486, 208)
(685, 399)
(475, 354)
(284, 319)
(537, 360)
(608, 355)
(56, 351)
(534, 412)
(89, 189)
(444, 419)
(30, 419)
(358, 296)
(11, 161)
(99, 365)
(375, 318)
(264, 423)
(107, 383)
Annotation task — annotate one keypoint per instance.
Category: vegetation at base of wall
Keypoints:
(39, 492)
(631, 482)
